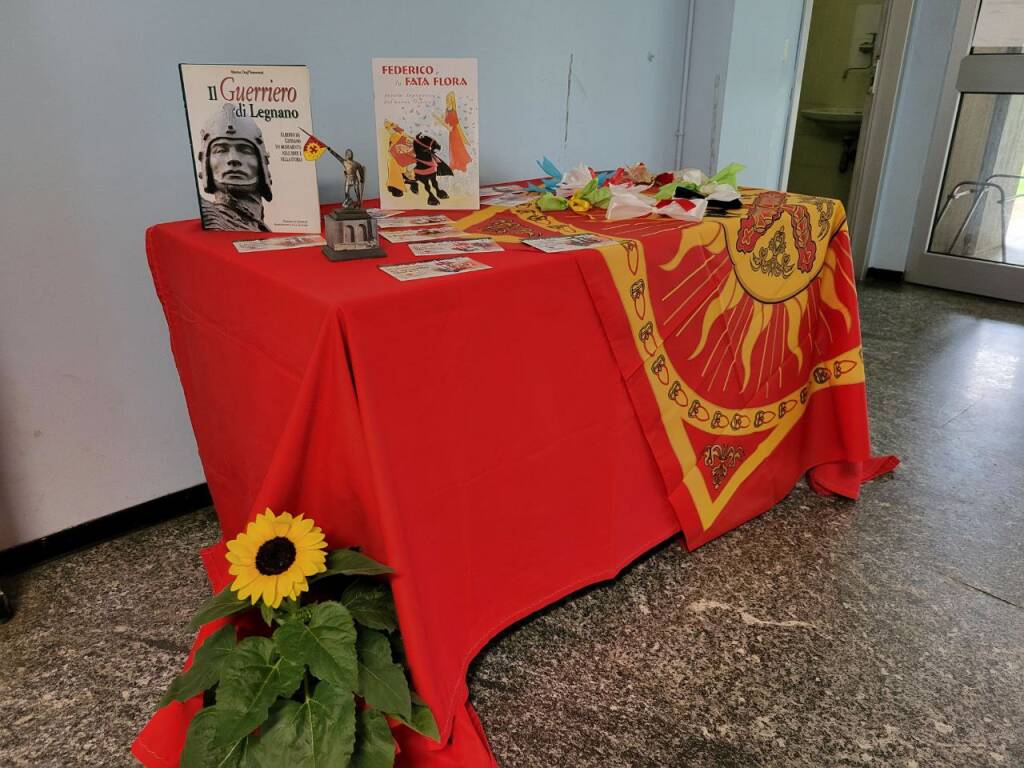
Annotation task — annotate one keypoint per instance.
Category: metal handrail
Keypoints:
(978, 189)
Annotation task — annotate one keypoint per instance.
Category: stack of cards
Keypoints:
(474, 245)
(442, 232)
(424, 220)
(508, 195)
(570, 243)
(439, 268)
(279, 243)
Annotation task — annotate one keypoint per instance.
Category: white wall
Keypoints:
(759, 88)
(920, 89)
(93, 149)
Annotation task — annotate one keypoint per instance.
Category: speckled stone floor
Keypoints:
(884, 633)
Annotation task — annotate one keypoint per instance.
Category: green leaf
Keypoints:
(252, 680)
(375, 746)
(206, 667)
(267, 614)
(398, 650)
(381, 682)
(351, 563)
(327, 644)
(224, 603)
(319, 732)
(201, 747)
(422, 720)
(371, 604)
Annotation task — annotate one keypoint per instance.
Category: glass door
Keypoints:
(969, 231)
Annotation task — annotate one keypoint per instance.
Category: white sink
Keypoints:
(843, 118)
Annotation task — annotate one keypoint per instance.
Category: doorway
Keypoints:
(845, 105)
(969, 228)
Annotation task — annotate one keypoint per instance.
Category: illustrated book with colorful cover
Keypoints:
(427, 122)
(246, 126)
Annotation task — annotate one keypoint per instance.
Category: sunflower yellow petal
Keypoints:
(257, 538)
(292, 593)
(312, 540)
(258, 589)
(245, 584)
(244, 593)
(241, 545)
(246, 560)
(283, 524)
(275, 590)
(248, 576)
(262, 526)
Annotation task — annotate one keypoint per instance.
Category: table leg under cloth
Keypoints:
(478, 433)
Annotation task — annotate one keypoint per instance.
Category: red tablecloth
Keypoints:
(472, 431)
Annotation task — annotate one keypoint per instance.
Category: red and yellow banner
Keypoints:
(738, 338)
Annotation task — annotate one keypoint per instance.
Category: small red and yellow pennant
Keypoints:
(313, 148)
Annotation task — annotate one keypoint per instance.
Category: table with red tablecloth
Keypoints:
(505, 437)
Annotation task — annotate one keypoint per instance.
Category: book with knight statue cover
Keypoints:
(246, 126)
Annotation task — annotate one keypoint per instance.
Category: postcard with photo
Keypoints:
(397, 222)
(245, 124)
(380, 213)
(279, 243)
(421, 235)
(570, 243)
(455, 247)
(427, 121)
(441, 268)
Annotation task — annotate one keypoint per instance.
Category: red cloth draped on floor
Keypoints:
(475, 432)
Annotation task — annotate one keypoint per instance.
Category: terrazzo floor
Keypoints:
(889, 632)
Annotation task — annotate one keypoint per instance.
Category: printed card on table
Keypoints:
(440, 268)
(492, 190)
(427, 123)
(420, 235)
(397, 222)
(279, 243)
(570, 243)
(454, 247)
(511, 199)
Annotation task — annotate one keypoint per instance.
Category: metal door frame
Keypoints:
(873, 146)
(987, 278)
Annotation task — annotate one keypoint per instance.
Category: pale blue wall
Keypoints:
(759, 88)
(705, 92)
(931, 36)
(93, 149)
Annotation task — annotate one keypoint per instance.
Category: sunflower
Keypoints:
(272, 558)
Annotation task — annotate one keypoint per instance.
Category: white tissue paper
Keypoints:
(573, 179)
(628, 204)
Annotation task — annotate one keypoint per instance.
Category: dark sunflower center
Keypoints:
(275, 556)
